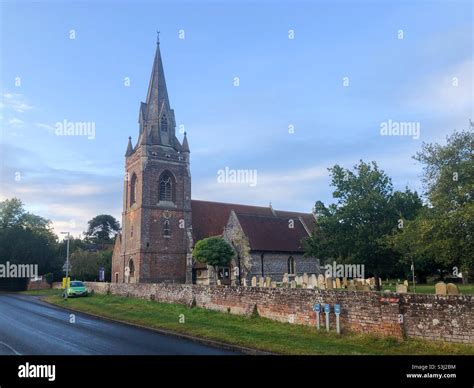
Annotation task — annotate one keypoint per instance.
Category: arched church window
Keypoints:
(164, 123)
(291, 266)
(166, 187)
(131, 266)
(133, 190)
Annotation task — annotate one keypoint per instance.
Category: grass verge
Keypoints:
(256, 332)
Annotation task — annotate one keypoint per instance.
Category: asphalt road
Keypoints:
(29, 326)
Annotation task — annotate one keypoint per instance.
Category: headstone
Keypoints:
(359, 286)
(261, 282)
(365, 287)
(440, 288)
(298, 280)
(329, 284)
(268, 281)
(452, 289)
(292, 284)
(380, 282)
(313, 281)
(321, 282)
(285, 278)
(218, 282)
(254, 281)
(351, 286)
(401, 289)
(344, 283)
(338, 283)
(273, 285)
(305, 278)
(405, 282)
(244, 282)
(372, 282)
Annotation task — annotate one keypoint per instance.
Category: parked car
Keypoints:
(77, 288)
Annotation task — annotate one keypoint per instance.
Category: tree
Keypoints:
(352, 230)
(442, 236)
(86, 264)
(26, 238)
(102, 228)
(214, 251)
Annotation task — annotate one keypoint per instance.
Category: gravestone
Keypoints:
(292, 284)
(305, 278)
(254, 281)
(452, 289)
(313, 280)
(351, 286)
(329, 283)
(244, 282)
(273, 284)
(298, 280)
(344, 282)
(268, 281)
(440, 288)
(261, 282)
(401, 289)
(321, 282)
(285, 278)
(338, 283)
(405, 283)
(365, 287)
(359, 286)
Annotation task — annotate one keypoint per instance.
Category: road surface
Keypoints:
(29, 326)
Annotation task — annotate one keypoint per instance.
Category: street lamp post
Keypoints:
(67, 264)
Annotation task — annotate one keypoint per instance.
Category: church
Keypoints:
(161, 222)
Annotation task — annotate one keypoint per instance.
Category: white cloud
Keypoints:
(15, 102)
(16, 122)
(448, 93)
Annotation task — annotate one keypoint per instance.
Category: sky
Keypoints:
(286, 89)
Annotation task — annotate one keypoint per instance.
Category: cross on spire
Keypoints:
(157, 37)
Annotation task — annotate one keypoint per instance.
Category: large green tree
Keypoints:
(352, 230)
(86, 264)
(102, 228)
(214, 251)
(26, 238)
(442, 236)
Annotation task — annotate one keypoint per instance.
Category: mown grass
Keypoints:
(466, 289)
(252, 332)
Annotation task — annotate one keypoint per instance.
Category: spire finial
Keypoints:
(157, 37)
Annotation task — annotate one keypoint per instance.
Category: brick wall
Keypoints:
(447, 318)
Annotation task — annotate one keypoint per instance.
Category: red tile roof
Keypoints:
(267, 229)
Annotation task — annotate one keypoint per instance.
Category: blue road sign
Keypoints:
(337, 308)
(317, 307)
(327, 308)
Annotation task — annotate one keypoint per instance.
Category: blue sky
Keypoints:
(424, 78)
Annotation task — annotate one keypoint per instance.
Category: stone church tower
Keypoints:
(156, 237)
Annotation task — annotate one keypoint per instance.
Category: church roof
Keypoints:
(266, 228)
(271, 233)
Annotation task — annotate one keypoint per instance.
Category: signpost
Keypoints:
(67, 266)
(317, 309)
(337, 311)
(327, 310)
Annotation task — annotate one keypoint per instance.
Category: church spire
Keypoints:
(129, 147)
(157, 96)
(185, 144)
